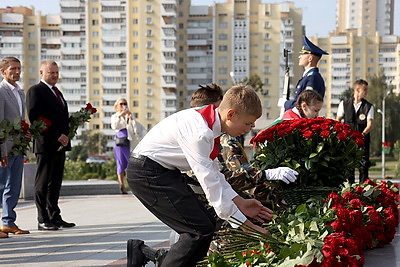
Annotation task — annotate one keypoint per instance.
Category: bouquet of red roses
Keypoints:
(79, 118)
(325, 152)
(23, 133)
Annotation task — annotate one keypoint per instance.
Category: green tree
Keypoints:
(255, 82)
(89, 144)
(377, 89)
(347, 94)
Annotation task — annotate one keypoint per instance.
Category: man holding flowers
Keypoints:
(45, 100)
(11, 107)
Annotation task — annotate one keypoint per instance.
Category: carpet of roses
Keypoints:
(334, 232)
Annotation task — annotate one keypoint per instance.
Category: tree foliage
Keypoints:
(90, 144)
(377, 89)
(255, 82)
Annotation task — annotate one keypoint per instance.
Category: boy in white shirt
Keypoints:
(184, 141)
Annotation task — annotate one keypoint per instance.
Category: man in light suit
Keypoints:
(45, 100)
(11, 107)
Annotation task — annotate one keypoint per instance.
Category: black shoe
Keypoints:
(47, 227)
(136, 258)
(60, 223)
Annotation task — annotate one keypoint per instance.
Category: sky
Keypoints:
(318, 16)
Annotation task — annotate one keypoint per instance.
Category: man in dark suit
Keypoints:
(45, 100)
(12, 107)
(312, 79)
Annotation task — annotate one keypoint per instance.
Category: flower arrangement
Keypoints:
(21, 133)
(323, 151)
(79, 118)
(334, 232)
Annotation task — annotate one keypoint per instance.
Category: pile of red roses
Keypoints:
(333, 233)
(366, 217)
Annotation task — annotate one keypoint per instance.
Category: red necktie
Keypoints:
(55, 89)
(208, 113)
(214, 153)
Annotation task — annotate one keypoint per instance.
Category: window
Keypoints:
(96, 80)
(223, 71)
(223, 59)
(31, 47)
(149, 21)
(223, 36)
(223, 48)
(223, 25)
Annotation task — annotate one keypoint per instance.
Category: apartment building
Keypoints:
(120, 48)
(367, 17)
(355, 57)
(231, 41)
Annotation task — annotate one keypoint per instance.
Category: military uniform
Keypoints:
(312, 79)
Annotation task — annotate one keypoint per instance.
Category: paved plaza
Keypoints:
(104, 224)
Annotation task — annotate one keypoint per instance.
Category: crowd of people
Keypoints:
(200, 141)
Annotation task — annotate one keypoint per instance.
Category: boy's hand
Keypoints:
(253, 208)
(255, 227)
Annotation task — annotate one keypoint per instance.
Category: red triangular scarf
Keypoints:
(208, 113)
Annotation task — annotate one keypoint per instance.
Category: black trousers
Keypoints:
(48, 180)
(165, 193)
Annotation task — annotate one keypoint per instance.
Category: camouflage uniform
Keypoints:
(244, 178)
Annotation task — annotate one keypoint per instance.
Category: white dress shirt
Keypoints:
(184, 141)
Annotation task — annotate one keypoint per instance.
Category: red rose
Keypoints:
(325, 134)
(25, 126)
(360, 142)
(88, 106)
(341, 136)
(46, 121)
(308, 134)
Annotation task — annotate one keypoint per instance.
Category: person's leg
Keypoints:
(41, 184)
(121, 154)
(54, 186)
(165, 193)
(12, 189)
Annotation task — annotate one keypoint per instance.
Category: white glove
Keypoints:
(284, 174)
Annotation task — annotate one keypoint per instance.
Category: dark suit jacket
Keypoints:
(42, 102)
(312, 80)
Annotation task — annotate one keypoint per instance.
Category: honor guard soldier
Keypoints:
(312, 79)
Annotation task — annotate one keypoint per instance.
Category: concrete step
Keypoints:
(68, 188)
(89, 187)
